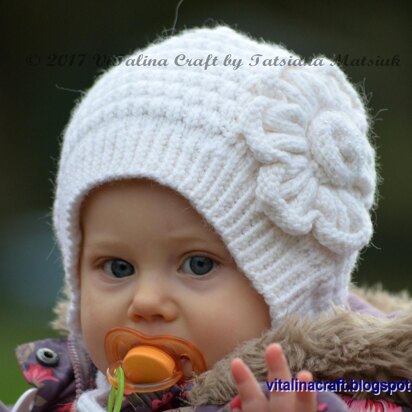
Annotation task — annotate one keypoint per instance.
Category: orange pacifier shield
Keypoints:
(150, 363)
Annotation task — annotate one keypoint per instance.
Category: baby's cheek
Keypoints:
(218, 335)
(231, 327)
(93, 335)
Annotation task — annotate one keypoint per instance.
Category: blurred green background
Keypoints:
(36, 99)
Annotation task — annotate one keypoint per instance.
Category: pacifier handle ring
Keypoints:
(116, 397)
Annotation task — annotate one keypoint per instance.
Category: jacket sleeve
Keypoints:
(373, 404)
(326, 402)
(4, 408)
(23, 404)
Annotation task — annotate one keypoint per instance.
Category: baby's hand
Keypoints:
(252, 398)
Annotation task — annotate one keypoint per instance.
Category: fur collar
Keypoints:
(347, 344)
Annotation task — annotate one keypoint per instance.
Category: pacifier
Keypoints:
(144, 363)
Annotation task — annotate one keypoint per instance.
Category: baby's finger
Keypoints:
(305, 401)
(277, 363)
(278, 368)
(251, 396)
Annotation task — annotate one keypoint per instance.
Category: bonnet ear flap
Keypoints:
(317, 167)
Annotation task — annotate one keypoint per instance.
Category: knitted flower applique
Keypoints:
(317, 167)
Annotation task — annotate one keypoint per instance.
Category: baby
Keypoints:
(221, 211)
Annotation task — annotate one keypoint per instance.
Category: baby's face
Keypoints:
(150, 262)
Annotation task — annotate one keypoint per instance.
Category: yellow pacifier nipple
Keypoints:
(147, 364)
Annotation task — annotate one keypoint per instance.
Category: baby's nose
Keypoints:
(153, 301)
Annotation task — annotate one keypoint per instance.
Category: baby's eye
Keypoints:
(118, 268)
(199, 265)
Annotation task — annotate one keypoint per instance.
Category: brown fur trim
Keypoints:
(383, 300)
(59, 323)
(343, 345)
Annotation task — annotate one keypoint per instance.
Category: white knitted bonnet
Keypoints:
(276, 158)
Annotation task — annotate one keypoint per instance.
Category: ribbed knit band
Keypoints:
(276, 160)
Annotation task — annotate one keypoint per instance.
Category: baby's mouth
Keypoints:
(150, 363)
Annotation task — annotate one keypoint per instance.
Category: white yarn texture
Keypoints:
(277, 160)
